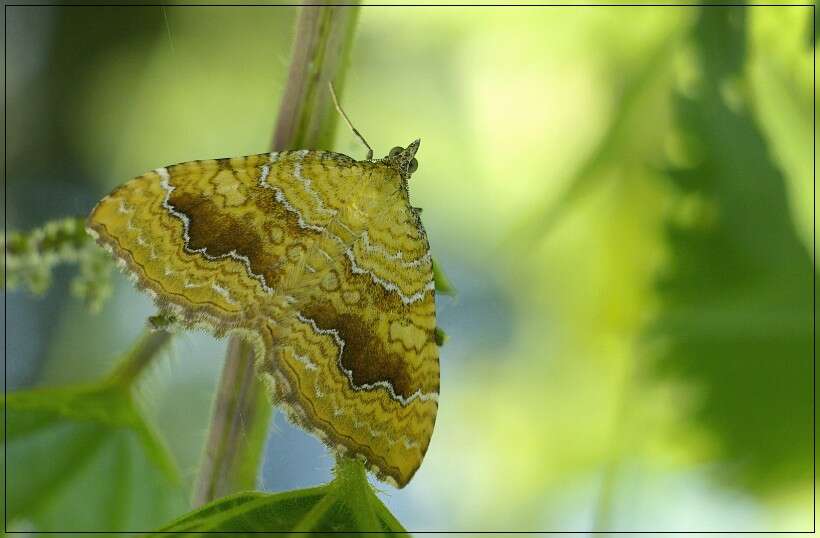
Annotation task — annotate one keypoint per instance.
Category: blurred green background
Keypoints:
(621, 195)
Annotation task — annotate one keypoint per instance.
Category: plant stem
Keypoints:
(324, 37)
(238, 427)
(144, 351)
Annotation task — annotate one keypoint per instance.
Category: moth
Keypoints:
(320, 261)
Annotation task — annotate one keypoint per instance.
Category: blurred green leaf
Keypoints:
(441, 336)
(786, 112)
(84, 459)
(444, 286)
(347, 504)
(736, 295)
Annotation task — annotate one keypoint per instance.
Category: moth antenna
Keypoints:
(168, 28)
(347, 120)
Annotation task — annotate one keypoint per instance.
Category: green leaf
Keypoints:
(441, 336)
(736, 297)
(347, 504)
(444, 286)
(779, 75)
(84, 459)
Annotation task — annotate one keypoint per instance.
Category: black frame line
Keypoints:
(814, 256)
(409, 5)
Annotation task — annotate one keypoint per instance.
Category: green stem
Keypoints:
(145, 349)
(238, 427)
(623, 422)
(351, 478)
(324, 37)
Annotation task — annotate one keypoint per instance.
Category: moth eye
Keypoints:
(395, 151)
(413, 166)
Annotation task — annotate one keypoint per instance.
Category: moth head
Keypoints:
(404, 159)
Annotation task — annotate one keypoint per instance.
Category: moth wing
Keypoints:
(357, 362)
(202, 237)
(335, 275)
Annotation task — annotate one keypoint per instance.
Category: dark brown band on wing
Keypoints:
(364, 357)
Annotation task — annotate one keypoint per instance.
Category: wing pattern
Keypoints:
(318, 259)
